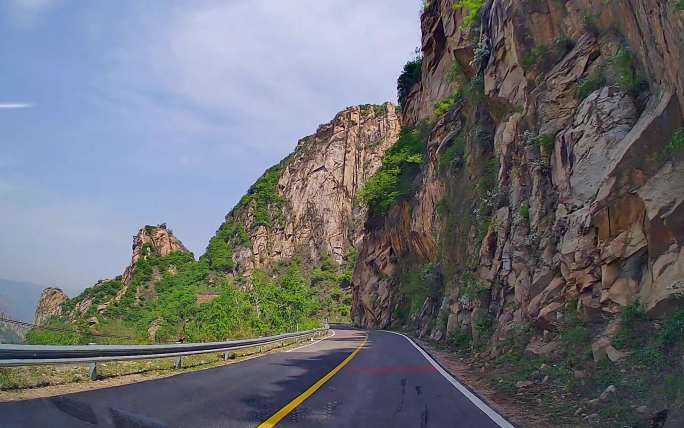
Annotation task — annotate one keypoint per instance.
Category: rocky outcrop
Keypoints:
(49, 305)
(152, 240)
(578, 207)
(315, 212)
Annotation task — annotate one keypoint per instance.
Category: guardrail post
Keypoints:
(179, 362)
(225, 356)
(92, 371)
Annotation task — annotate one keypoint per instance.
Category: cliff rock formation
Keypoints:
(306, 205)
(49, 305)
(300, 220)
(149, 240)
(565, 192)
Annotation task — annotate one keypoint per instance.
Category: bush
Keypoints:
(410, 75)
(473, 288)
(675, 149)
(631, 334)
(623, 68)
(575, 337)
(590, 24)
(444, 105)
(544, 57)
(394, 179)
(461, 340)
(538, 55)
(219, 255)
(264, 196)
(453, 156)
(596, 80)
(673, 330)
(472, 8)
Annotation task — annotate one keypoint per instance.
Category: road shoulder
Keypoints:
(476, 382)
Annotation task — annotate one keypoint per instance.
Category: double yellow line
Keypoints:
(289, 407)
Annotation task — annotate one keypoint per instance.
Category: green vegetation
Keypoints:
(453, 157)
(675, 149)
(544, 56)
(538, 55)
(546, 142)
(524, 212)
(472, 8)
(444, 105)
(460, 340)
(470, 92)
(168, 297)
(219, 254)
(590, 23)
(416, 285)
(596, 80)
(69, 335)
(264, 197)
(473, 288)
(410, 75)
(394, 179)
(620, 71)
(622, 67)
(679, 4)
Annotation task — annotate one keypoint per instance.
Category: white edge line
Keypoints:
(493, 415)
(312, 343)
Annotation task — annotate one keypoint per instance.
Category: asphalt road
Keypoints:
(388, 383)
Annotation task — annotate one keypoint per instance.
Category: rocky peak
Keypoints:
(311, 209)
(49, 305)
(152, 240)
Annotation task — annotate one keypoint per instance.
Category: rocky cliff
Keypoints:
(49, 305)
(289, 242)
(580, 101)
(553, 177)
(307, 205)
(150, 240)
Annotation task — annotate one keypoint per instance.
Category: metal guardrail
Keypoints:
(26, 355)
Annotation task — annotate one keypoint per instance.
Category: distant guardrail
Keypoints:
(27, 355)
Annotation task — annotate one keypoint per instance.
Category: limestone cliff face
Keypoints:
(49, 305)
(314, 210)
(564, 193)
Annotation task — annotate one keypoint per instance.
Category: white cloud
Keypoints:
(276, 68)
(15, 105)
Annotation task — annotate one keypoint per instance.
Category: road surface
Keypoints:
(353, 379)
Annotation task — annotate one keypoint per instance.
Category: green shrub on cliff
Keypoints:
(264, 195)
(675, 149)
(409, 76)
(472, 8)
(453, 156)
(219, 255)
(394, 179)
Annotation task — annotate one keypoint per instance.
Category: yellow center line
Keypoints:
(289, 407)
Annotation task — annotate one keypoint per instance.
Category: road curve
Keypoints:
(388, 383)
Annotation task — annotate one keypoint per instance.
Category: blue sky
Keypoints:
(117, 114)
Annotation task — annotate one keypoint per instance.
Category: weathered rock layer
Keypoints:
(581, 100)
(49, 305)
(315, 212)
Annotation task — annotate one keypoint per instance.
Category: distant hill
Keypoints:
(18, 299)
